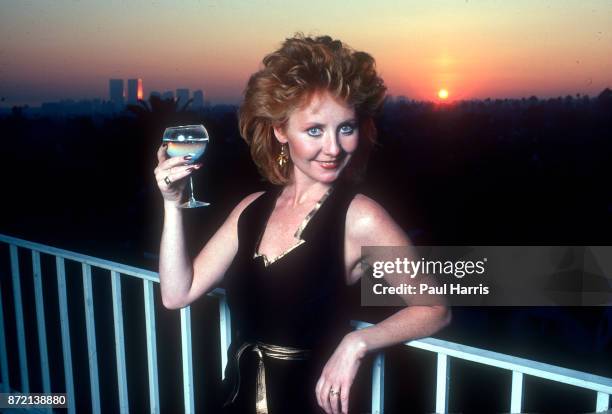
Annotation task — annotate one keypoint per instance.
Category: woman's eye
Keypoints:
(346, 129)
(314, 132)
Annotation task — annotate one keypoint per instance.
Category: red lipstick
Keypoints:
(329, 165)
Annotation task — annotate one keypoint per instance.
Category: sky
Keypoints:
(52, 50)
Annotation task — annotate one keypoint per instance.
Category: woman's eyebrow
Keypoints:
(313, 124)
(317, 123)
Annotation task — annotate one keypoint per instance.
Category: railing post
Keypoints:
(603, 402)
(186, 348)
(444, 349)
(225, 331)
(40, 322)
(378, 384)
(149, 304)
(23, 357)
(124, 406)
(516, 397)
(3, 355)
(90, 326)
(65, 328)
(442, 383)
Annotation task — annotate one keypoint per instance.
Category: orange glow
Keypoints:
(510, 50)
(443, 94)
(140, 93)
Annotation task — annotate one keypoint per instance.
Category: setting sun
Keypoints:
(442, 94)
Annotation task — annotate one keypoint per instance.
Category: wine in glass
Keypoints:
(187, 140)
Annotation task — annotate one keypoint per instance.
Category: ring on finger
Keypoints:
(334, 392)
(167, 180)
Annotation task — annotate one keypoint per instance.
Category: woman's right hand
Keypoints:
(170, 175)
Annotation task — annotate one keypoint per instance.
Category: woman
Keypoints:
(287, 256)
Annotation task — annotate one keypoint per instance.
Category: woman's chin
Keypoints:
(330, 177)
(322, 175)
(324, 178)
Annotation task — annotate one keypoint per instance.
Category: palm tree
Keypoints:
(158, 107)
(157, 114)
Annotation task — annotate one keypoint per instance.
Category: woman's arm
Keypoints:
(182, 280)
(368, 224)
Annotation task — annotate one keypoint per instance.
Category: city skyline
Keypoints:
(474, 50)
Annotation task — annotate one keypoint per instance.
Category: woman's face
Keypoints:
(322, 136)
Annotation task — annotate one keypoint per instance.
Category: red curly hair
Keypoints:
(290, 75)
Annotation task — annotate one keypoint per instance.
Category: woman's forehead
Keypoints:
(323, 105)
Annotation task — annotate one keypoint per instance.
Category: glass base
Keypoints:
(194, 204)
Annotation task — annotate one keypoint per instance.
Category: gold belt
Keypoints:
(272, 351)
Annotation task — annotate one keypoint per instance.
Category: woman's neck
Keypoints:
(305, 190)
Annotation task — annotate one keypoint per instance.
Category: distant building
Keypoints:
(182, 96)
(198, 99)
(168, 95)
(116, 92)
(155, 93)
(134, 90)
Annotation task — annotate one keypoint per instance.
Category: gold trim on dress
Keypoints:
(297, 235)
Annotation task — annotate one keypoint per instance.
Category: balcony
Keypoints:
(19, 251)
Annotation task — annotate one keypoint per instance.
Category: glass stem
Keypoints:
(191, 198)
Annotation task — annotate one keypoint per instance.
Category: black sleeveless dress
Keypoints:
(300, 300)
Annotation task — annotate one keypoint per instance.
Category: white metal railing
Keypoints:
(116, 270)
(519, 367)
(444, 349)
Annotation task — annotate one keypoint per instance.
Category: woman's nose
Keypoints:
(331, 146)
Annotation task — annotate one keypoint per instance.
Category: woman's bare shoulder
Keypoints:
(369, 224)
(244, 203)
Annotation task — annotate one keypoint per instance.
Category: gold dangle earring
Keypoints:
(283, 157)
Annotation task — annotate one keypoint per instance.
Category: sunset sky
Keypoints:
(50, 50)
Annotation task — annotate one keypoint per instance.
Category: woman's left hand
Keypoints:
(334, 386)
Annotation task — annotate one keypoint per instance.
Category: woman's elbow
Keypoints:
(445, 316)
(172, 303)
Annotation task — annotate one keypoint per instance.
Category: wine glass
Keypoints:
(187, 140)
